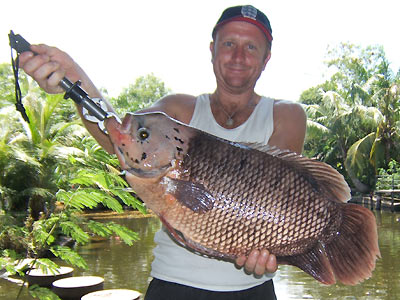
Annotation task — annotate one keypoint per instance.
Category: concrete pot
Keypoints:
(73, 288)
(37, 276)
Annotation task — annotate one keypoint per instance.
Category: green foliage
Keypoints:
(143, 93)
(68, 255)
(358, 159)
(42, 293)
(127, 235)
(389, 178)
(354, 117)
(51, 169)
(7, 85)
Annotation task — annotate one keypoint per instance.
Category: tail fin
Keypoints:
(350, 256)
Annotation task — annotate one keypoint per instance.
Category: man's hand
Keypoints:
(258, 262)
(50, 65)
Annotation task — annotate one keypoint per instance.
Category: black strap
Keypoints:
(18, 96)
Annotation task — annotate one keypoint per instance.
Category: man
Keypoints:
(241, 49)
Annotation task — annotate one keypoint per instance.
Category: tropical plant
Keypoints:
(54, 166)
(354, 117)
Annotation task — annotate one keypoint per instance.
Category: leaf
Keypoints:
(359, 153)
(42, 293)
(70, 256)
(45, 265)
(73, 230)
(129, 200)
(84, 198)
(99, 228)
(127, 235)
(112, 203)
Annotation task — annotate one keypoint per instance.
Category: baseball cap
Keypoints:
(247, 13)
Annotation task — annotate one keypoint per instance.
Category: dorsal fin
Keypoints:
(325, 175)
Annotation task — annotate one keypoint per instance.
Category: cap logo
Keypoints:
(249, 11)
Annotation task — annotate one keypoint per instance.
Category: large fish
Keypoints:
(224, 199)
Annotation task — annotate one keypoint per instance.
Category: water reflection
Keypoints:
(291, 283)
(125, 266)
(120, 265)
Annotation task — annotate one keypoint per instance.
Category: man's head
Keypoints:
(240, 48)
(246, 13)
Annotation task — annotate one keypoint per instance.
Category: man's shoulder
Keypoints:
(286, 108)
(290, 122)
(178, 106)
(178, 99)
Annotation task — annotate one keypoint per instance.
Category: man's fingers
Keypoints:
(261, 263)
(271, 265)
(251, 261)
(240, 261)
(258, 262)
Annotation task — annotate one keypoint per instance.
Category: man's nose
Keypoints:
(239, 54)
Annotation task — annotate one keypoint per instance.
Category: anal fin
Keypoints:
(313, 262)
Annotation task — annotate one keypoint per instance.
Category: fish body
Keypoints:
(225, 199)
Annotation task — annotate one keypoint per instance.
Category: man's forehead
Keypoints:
(237, 28)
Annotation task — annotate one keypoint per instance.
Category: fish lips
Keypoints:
(140, 172)
(148, 173)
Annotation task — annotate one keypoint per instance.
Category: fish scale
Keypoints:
(197, 173)
(224, 199)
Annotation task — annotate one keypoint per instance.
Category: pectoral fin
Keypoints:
(192, 195)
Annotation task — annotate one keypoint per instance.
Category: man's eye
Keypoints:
(251, 47)
(228, 44)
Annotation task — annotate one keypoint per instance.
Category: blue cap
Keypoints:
(246, 13)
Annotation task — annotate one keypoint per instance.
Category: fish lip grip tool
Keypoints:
(94, 109)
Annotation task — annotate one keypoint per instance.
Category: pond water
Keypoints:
(124, 266)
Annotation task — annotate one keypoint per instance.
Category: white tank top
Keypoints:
(174, 263)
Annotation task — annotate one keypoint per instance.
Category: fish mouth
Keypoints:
(148, 173)
(138, 172)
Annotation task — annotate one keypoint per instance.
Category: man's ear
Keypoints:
(212, 51)
(266, 60)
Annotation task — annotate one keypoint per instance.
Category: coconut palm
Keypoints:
(334, 126)
(354, 117)
(378, 148)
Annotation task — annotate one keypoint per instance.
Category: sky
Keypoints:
(117, 41)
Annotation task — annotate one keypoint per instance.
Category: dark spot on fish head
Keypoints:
(179, 140)
(176, 129)
(167, 137)
(136, 161)
(144, 155)
(179, 149)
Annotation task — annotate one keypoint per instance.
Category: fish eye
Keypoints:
(143, 134)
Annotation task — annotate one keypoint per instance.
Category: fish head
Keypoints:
(148, 145)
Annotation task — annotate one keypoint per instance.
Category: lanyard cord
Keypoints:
(18, 96)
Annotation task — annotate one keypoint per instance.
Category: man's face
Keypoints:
(239, 55)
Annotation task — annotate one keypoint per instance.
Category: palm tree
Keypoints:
(378, 148)
(335, 126)
(34, 153)
(354, 117)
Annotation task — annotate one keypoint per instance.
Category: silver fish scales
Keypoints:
(224, 199)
